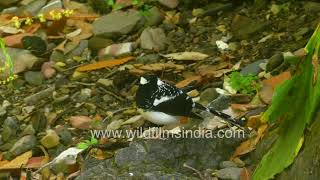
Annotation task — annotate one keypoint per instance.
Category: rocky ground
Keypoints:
(54, 103)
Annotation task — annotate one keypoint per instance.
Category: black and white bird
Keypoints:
(164, 104)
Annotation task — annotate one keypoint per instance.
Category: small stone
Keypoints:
(24, 144)
(243, 26)
(52, 5)
(9, 129)
(114, 125)
(155, 17)
(50, 140)
(97, 43)
(33, 78)
(169, 3)
(231, 173)
(28, 130)
(105, 82)
(197, 12)
(107, 98)
(266, 94)
(81, 122)
(117, 23)
(35, 6)
(153, 39)
(253, 68)
(115, 50)
(274, 62)
(47, 70)
(226, 164)
(65, 135)
(84, 95)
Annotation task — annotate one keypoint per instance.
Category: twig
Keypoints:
(112, 94)
(193, 169)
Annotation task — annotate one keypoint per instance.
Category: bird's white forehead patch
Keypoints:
(159, 82)
(143, 80)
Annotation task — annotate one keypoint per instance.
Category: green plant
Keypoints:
(87, 143)
(294, 105)
(144, 9)
(245, 84)
(7, 67)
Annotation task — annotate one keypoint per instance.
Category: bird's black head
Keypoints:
(148, 85)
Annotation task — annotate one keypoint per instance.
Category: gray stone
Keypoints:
(274, 61)
(153, 39)
(22, 59)
(79, 49)
(155, 17)
(9, 129)
(231, 173)
(3, 111)
(35, 6)
(24, 144)
(226, 164)
(52, 5)
(117, 23)
(33, 77)
(29, 130)
(253, 68)
(50, 140)
(57, 56)
(123, 49)
(244, 27)
(161, 159)
(169, 3)
(10, 10)
(97, 43)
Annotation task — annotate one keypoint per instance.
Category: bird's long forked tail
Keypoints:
(226, 117)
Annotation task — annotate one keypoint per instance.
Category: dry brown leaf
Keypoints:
(35, 162)
(104, 64)
(277, 80)
(140, 69)
(245, 174)
(189, 80)
(17, 162)
(193, 56)
(15, 40)
(249, 145)
(243, 107)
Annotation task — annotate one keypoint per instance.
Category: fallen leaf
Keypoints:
(187, 81)
(35, 162)
(17, 162)
(274, 81)
(11, 30)
(243, 107)
(140, 69)
(15, 40)
(249, 145)
(193, 56)
(245, 174)
(104, 64)
(266, 93)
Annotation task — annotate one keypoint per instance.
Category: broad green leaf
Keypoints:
(82, 146)
(293, 105)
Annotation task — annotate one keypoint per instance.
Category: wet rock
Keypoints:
(208, 95)
(243, 26)
(22, 59)
(52, 5)
(117, 23)
(24, 144)
(155, 17)
(153, 39)
(10, 10)
(34, 98)
(115, 50)
(57, 56)
(79, 49)
(50, 140)
(8, 2)
(311, 7)
(220, 103)
(227, 164)
(65, 135)
(253, 68)
(274, 62)
(28, 130)
(105, 82)
(97, 43)
(159, 159)
(33, 78)
(47, 69)
(84, 95)
(35, 6)
(231, 173)
(9, 129)
(169, 3)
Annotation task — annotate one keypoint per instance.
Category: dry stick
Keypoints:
(112, 94)
(193, 169)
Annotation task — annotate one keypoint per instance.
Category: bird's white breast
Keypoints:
(160, 118)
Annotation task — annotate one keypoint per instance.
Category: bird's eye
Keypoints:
(143, 80)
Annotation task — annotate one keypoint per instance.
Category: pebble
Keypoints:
(24, 144)
(208, 95)
(52, 5)
(169, 3)
(81, 122)
(253, 68)
(50, 140)
(153, 39)
(105, 82)
(231, 173)
(226, 164)
(33, 77)
(115, 50)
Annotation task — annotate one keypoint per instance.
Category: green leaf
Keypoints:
(294, 104)
(82, 145)
(94, 141)
(110, 2)
(135, 2)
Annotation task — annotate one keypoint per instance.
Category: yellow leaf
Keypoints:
(17, 162)
(104, 64)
